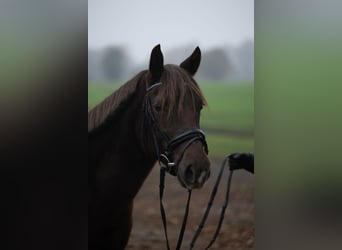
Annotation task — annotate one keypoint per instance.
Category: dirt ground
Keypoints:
(237, 231)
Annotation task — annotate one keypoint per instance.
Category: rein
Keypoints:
(206, 213)
(210, 203)
(167, 164)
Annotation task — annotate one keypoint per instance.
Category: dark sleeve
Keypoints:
(250, 163)
(242, 161)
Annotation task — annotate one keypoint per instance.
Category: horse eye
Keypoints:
(158, 107)
(200, 106)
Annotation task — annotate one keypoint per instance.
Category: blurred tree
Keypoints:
(215, 65)
(244, 55)
(95, 72)
(114, 63)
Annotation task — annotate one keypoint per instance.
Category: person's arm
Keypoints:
(241, 161)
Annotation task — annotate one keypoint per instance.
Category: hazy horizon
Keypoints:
(139, 25)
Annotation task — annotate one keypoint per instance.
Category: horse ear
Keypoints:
(192, 63)
(156, 63)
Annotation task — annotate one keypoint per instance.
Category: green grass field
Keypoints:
(230, 108)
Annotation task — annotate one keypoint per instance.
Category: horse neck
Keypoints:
(118, 150)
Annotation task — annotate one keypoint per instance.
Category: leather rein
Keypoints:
(168, 164)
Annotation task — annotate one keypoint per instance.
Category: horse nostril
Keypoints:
(208, 175)
(189, 174)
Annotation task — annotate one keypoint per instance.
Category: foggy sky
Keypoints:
(139, 25)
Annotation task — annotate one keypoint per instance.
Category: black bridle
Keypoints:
(165, 155)
(167, 163)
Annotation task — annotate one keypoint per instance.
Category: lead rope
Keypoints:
(181, 233)
(162, 210)
(223, 209)
(205, 216)
(225, 205)
(163, 215)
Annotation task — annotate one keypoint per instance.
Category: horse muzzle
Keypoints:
(192, 165)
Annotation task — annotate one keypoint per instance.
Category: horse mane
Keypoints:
(176, 84)
(111, 106)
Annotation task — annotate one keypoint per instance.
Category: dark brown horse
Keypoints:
(154, 116)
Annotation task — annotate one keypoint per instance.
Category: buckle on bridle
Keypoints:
(167, 164)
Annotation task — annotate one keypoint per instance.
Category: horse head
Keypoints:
(172, 106)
